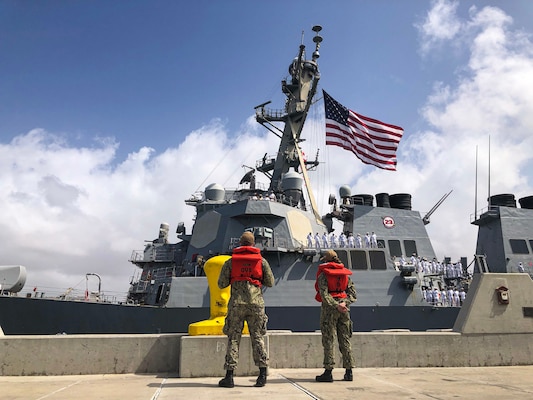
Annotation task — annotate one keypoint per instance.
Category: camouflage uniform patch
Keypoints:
(257, 325)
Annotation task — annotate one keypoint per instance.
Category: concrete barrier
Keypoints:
(89, 354)
(486, 333)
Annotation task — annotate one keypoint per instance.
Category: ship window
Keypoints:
(518, 246)
(395, 248)
(343, 256)
(358, 258)
(377, 259)
(410, 247)
(531, 244)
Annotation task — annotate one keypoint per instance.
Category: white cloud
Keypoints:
(441, 24)
(67, 211)
(493, 97)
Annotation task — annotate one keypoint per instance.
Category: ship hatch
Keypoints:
(528, 312)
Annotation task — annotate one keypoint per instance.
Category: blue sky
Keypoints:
(114, 112)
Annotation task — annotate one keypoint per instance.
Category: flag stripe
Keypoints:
(372, 141)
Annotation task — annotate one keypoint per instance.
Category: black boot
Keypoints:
(348, 375)
(262, 378)
(227, 381)
(325, 377)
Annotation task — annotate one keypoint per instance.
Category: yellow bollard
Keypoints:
(218, 302)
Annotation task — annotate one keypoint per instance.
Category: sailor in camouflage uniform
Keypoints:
(336, 291)
(247, 272)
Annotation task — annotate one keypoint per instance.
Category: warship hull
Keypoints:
(51, 317)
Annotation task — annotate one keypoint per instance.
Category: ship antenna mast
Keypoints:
(475, 193)
(299, 90)
(489, 177)
(317, 39)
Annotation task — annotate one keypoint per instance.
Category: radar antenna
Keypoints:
(317, 39)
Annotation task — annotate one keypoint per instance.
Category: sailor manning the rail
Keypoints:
(336, 291)
(247, 271)
(317, 240)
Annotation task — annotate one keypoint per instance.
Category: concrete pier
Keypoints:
(475, 383)
(487, 333)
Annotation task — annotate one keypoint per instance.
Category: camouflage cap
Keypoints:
(328, 255)
(247, 239)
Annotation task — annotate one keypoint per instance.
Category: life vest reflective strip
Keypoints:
(337, 277)
(247, 265)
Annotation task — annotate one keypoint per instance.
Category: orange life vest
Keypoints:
(247, 265)
(337, 276)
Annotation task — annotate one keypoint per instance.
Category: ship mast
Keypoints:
(304, 77)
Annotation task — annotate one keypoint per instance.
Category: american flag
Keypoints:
(372, 141)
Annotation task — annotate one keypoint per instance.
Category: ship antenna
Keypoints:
(489, 175)
(475, 193)
(317, 39)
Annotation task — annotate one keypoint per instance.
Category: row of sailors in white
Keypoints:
(333, 241)
(423, 266)
(271, 197)
(446, 298)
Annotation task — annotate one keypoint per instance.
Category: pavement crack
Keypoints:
(310, 394)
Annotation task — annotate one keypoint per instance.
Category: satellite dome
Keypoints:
(215, 192)
(345, 191)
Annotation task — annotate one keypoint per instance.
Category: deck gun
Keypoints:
(426, 217)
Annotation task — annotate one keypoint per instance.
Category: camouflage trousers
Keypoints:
(257, 325)
(336, 324)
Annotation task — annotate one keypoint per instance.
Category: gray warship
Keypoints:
(171, 290)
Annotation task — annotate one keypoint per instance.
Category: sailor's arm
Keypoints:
(327, 298)
(268, 276)
(351, 293)
(224, 279)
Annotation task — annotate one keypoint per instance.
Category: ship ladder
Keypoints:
(481, 262)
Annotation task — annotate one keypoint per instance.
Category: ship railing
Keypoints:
(155, 253)
(73, 294)
(161, 273)
(196, 197)
(266, 243)
(140, 286)
(259, 187)
(156, 274)
(492, 211)
(269, 114)
(163, 253)
(266, 163)
(136, 255)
